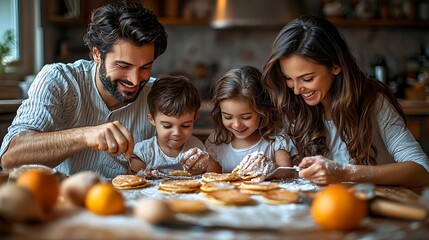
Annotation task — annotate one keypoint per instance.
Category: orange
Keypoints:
(45, 187)
(104, 199)
(336, 207)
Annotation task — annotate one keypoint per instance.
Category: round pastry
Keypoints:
(259, 186)
(129, 182)
(280, 196)
(215, 177)
(16, 172)
(231, 197)
(179, 186)
(216, 186)
(179, 173)
(187, 206)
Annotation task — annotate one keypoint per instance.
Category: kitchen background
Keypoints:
(390, 34)
(389, 38)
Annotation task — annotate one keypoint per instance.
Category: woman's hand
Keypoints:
(195, 161)
(322, 171)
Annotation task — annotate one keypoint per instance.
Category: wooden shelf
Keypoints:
(183, 21)
(64, 20)
(342, 22)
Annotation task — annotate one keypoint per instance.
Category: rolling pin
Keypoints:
(393, 202)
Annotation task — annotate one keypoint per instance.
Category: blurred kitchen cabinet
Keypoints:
(64, 24)
(70, 12)
(65, 11)
(417, 113)
(342, 22)
(419, 127)
(181, 12)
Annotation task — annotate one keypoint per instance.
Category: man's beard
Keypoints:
(112, 86)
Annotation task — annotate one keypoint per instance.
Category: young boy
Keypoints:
(173, 108)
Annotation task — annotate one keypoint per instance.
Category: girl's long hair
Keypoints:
(244, 84)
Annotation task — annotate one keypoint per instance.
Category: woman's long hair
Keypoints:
(352, 94)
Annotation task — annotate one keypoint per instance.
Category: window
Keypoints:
(9, 19)
(23, 17)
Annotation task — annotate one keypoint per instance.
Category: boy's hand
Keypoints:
(195, 161)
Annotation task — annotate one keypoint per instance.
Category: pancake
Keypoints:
(129, 182)
(216, 186)
(216, 177)
(187, 206)
(280, 196)
(179, 173)
(177, 191)
(259, 186)
(179, 186)
(14, 175)
(231, 197)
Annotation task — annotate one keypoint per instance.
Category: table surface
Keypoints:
(258, 221)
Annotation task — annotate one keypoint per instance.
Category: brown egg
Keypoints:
(75, 188)
(18, 204)
(153, 211)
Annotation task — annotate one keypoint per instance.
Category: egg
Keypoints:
(75, 188)
(17, 204)
(153, 211)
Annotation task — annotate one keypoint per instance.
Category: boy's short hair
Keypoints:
(173, 96)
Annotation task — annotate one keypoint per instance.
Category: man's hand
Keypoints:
(110, 137)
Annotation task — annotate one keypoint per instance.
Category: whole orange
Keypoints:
(335, 207)
(45, 187)
(104, 199)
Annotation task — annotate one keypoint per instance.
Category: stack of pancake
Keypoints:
(251, 187)
(179, 186)
(129, 182)
(280, 196)
(230, 197)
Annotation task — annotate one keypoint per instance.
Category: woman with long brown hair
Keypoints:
(346, 127)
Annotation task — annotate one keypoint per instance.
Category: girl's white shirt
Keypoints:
(229, 157)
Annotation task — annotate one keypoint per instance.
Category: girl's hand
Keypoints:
(255, 165)
(321, 170)
(195, 161)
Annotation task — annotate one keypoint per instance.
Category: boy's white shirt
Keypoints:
(152, 155)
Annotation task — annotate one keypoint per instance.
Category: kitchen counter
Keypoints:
(417, 113)
(415, 108)
(7, 114)
(10, 105)
(258, 221)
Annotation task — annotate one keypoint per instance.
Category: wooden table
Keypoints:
(260, 221)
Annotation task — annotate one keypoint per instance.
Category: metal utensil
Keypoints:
(296, 168)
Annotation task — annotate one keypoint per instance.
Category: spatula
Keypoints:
(296, 168)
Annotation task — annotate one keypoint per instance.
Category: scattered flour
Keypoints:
(286, 220)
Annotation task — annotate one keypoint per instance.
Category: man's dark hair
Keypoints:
(124, 21)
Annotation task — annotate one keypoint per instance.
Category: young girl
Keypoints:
(346, 127)
(173, 107)
(242, 117)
